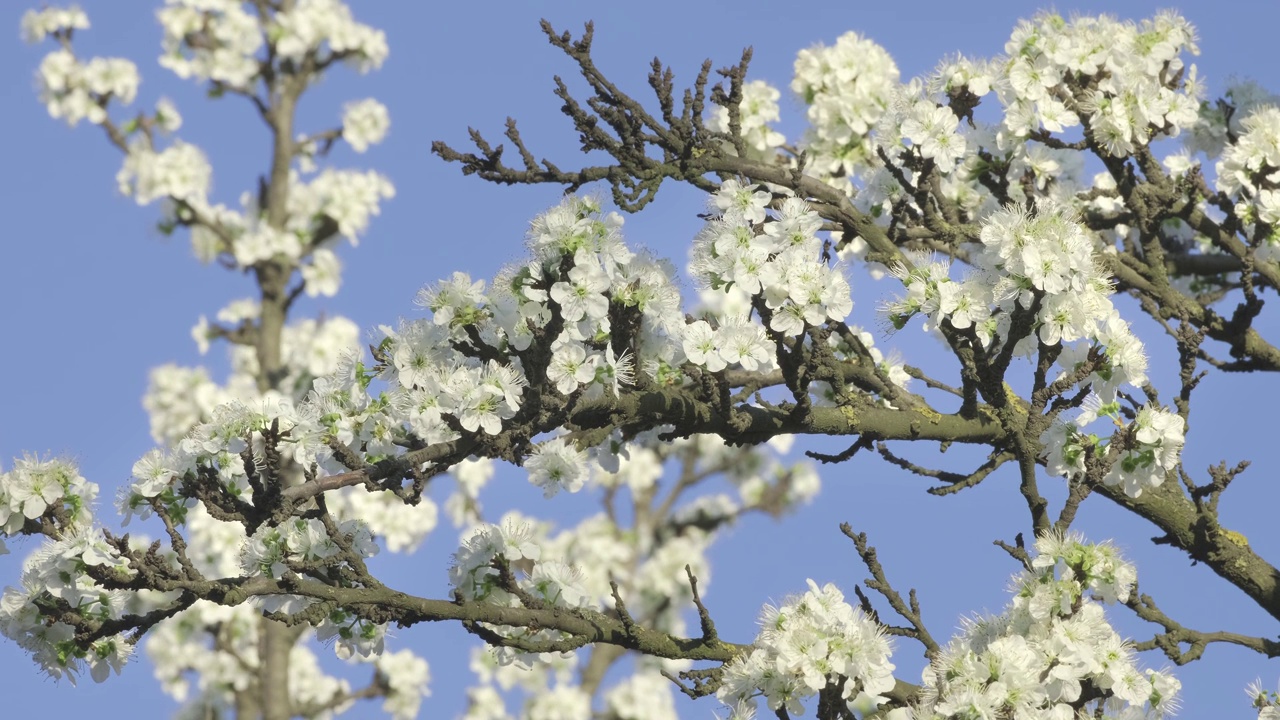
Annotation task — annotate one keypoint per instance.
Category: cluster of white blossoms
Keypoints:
(582, 269)
(1051, 648)
(1030, 262)
(474, 574)
(70, 89)
(180, 171)
(1126, 79)
(40, 24)
(557, 465)
(215, 40)
(959, 75)
(75, 90)
(39, 491)
(179, 648)
(646, 695)
(325, 29)
(932, 130)
(647, 563)
(1043, 264)
(348, 199)
(219, 40)
(181, 399)
(847, 87)
(59, 571)
(178, 398)
(1249, 172)
(915, 125)
(401, 526)
(1047, 257)
(811, 642)
(1150, 447)
(758, 108)
(407, 677)
(364, 123)
(1251, 165)
(1219, 123)
(649, 567)
(776, 259)
(648, 560)
(274, 550)
(597, 551)
(33, 486)
(53, 494)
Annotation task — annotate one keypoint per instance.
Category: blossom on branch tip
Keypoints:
(39, 24)
(180, 171)
(759, 108)
(472, 574)
(848, 87)
(735, 200)
(326, 29)
(1053, 640)
(364, 123)
(73, 90)
(1156, 451)
(557, 465)
(210, 41)
(806, 645)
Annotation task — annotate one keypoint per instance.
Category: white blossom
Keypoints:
(364, 123)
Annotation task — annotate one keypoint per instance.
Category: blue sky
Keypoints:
(93, 296)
